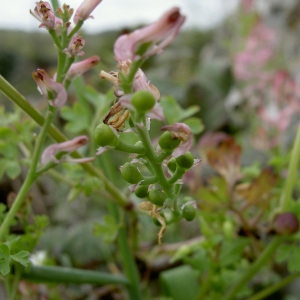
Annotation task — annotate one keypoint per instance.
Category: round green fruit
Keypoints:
(186, 160)
(104, 136)
(167, 142)
(143, 101)
(157, 197)
(189, 212)
(131, 173)
(141, 191)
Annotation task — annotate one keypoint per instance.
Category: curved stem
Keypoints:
(254, 268)
(286, 196)
(275, 287)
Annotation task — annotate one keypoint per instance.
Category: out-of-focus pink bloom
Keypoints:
(141, 82)
(85, 9)
(68, 146)
(53, 90)
(75, 46)
(182, 132)
(81, 67)
(159, 35)
(259, 48)
(44, 13)
(247, 5)
(285, 89)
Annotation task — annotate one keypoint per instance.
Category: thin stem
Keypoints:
(31, 176)
(286, 196)
(154, 161)
(275, 287)
(254, 268)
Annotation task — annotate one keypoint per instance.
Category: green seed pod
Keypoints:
(141, 191)
(157, 197)
(167, 142)
(104, 136)
(131, 173)
(185, 161)
(143, 101)
(172, 165)
(189, 212)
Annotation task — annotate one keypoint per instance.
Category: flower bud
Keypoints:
(157, 197)
(185, 161)
(143, 101)
(141, 191)
(167, 142)
(131, 173)
(189, 212)
(104, 136)
(286, 223)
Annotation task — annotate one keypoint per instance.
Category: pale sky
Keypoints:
(113, 14)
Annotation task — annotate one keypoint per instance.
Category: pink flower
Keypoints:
(142, 83)
(81, 67)
(68, 146)
(158, 35)
(84, 10)
(44, 13)
(75, 46)
(53, 90)
(182, 132)
(259, 49)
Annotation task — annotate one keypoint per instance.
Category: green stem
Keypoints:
(75, 29)
(55, 274)
(15, 283)
(275, 287)
(128, 261)
(31, 176)
(154, 161)
(286, 196)
(255, 267)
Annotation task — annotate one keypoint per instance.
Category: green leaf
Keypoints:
(231, 251)
(78, 117)
(195, 124)
(294, 259)
(4, 267)
(4, 259)
(21, 257)
(108, 229)
(282, 253)
(173, 112)
(180, 283)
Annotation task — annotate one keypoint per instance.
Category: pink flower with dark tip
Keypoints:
(81, 67)
(85, 9)
(68, 146)
(75, 46)
(51, 89)
(158, 35)
(182, 132)
(44, 13)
